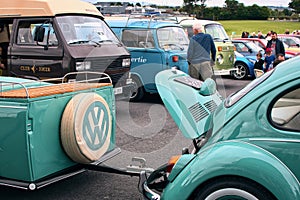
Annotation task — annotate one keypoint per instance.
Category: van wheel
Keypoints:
(137, 92)
(232, 188)
(242, 71)
(86, 128)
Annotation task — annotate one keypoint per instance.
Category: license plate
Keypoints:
(118, 90)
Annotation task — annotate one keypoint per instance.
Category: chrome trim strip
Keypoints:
(59, 178)
(13, 186)
(18, 107)
(275, 140)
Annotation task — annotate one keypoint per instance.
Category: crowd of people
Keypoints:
(259, 34)
(274, 52)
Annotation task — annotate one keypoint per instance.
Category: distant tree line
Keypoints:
(234, 10)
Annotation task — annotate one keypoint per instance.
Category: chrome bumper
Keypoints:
(146, 192)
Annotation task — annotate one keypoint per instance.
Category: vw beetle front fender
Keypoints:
(235, 158)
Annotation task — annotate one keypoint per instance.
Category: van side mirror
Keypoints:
(39, 34)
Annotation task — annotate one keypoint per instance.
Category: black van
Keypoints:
(48, 39)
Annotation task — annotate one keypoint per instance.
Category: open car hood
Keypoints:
(189, 101)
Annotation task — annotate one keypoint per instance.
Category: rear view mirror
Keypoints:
(39, 34)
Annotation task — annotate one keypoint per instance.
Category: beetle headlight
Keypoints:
(126, 62)
(86, 65)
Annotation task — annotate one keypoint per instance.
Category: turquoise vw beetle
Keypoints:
(246, 146)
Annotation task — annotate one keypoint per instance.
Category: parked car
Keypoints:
(295, 35)
(290, 51)
(247, 48)
(289, 40)
(262, 43)
(245, 146)
(244, 66)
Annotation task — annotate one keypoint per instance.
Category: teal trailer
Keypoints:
(52, 131)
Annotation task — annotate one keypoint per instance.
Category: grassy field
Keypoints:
(238, 26)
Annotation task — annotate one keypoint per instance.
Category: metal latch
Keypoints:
(138, 164)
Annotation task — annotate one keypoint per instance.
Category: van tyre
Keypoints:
(138, 91)
(232, 188)
(242, 71)
(86, 128)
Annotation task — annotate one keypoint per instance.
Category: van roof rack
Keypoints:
(157, 16)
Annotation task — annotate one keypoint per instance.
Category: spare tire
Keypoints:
(86, 127)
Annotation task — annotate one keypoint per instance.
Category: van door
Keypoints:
(146, 58)
(28, 57)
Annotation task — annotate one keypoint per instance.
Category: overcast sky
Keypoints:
(209, 3)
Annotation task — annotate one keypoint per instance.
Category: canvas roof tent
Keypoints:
(31, 8)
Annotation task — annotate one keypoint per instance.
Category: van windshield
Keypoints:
(79, 30)
(172, 38)
(216, 31)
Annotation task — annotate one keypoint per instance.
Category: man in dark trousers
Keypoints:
(276, 45)
(201, 54)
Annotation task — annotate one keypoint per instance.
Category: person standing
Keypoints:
(276, 45)
(279, 58)
(4, 42)
(201, 54)
(259, 63)
(269, 59)
(260, 35)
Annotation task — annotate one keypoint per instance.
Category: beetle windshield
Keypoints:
(172, 38)
(216, 31)
(79, 30)
(233, 98)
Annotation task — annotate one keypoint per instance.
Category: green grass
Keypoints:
(238, 26)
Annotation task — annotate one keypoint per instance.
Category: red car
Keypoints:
(290, 51)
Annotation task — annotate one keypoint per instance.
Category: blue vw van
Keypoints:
(154, 46)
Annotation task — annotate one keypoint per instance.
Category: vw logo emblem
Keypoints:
(96, 125)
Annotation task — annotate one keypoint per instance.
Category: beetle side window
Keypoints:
(286, 111)
(26, 31)
(138, 38)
